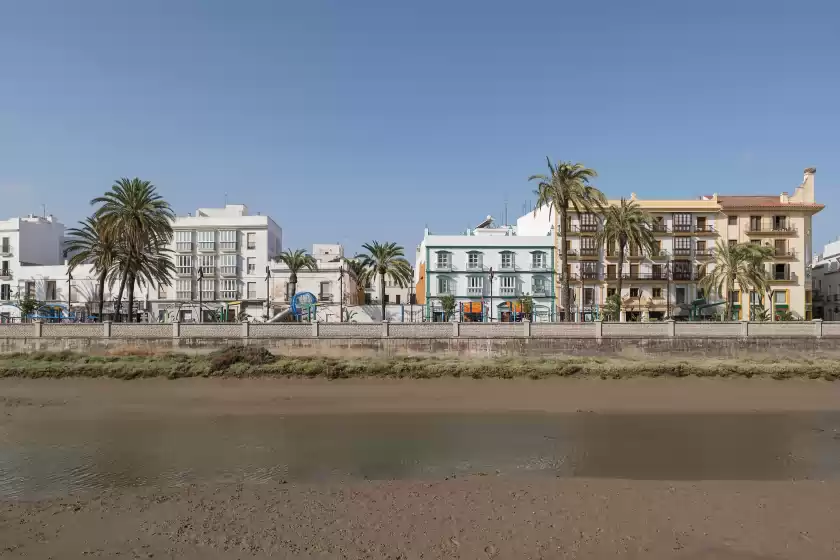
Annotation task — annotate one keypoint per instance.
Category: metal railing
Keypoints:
(769, 226)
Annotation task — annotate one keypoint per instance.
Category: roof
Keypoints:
(764, 201)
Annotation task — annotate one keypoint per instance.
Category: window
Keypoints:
(780, 297)
(30, 289)
(228, 264)
(701, 247)
(682, 246)
(701, 293)
(755, 223)
(183, 289)
(538, 260)
(589, 296)
(252, 265)
(227, 240)
(445, 285)
(50, 291)
(206, 240)
(780, 272)
(325, 292)
(507, 260)
(397, 299)
(634, 271)
(682, 222)
(755, 298)
(755, 241)
(475, 285)
(732, 220)
(657, 248)
(656, 271)
(779, 223)
(4, 268)
(589, 270)
(229, 289)
(735, 297)
(569, 248)
(4, 246)
(612, 271)
(162, 291)
(538, 285)
(474, 260)
(682, 270)
(732, 243)
(659, 224)
(588, 222)
(610, 292)
(252, 290)
(680, 295)
(207, 264)
(183, 264)
(252, 240)
(5, 292)
(208, 289)
(507, 285)
(588, 246)
(634, 292)
(656, 293)
(183, 240)
(444, 260)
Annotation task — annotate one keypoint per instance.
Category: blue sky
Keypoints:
(352, 121)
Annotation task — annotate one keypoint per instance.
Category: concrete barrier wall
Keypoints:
(597, 330)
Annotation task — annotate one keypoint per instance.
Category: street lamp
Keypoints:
(69, 287)
(267, 293)
(491, 293)
(668, 289)
(200, 277)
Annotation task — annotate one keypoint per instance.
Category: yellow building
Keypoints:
(666, 282)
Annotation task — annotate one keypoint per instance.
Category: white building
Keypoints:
(232, 250)
(488, 270)
(826, 283)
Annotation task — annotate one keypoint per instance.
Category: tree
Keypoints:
(94, 244)
(386, 260)
(612, 308)
(740, 264)
(141, 219)
(447, 303)
(360, 274)
(626, 225)
(28, 304)
(296, 261)
(566, 188)
(526, 303)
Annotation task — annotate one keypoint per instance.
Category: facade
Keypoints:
(826, 283)
(488, 270)
(231, 249)
(394, 294)
(687, 231)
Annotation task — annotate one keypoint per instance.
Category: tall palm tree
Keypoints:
(359, 273)
(740, 264)
(91, 243)
(296, 261)
(626, 225)
(142, 219)
(565, 189)
(386, 260)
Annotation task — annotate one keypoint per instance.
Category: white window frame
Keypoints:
(208, 289)
(475, 285)
(445, 285)
(227, 264)
(538, 259)
(183, 240)
(228, 289)
(444, 259)
(252, 290)
(507, 285)
(183, 289)
(539, 284)
(252, 265)
(206, 240)
(184, 264)
(474, 260)
(207, 263)
(507, 260)
(227, 240)
(251, 240)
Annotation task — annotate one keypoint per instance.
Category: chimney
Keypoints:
(805, 192)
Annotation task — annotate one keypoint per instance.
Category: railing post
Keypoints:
(672, 328)
(599, 329)
(176, 329)
(526, 328)
(245, 332)
(456, 329)
(818, 328)
(38, 328)
(745, 329)
(315, 329)
(385, 328)
(106, 329)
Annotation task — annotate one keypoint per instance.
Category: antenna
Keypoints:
(44, 210)
(225, 198)
(506, 221)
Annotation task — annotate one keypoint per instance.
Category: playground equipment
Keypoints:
(697, 307)
(304, 303)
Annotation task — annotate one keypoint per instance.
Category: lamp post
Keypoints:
(267, 293)
(668, 289)
(200, 277)
(341, 291)
(69, 287)
(411, 299)
(491, 293)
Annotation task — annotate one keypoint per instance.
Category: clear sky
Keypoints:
(348, 121)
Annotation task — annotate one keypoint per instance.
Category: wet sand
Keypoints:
(548, 511)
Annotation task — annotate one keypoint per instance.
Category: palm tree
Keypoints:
(134, 211)
(566, 188)
(626, 225)
(93, 244)
(386, 259)
(357, 271)
(739, 264)
(296, 261)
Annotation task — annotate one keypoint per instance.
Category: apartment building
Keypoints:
(488, 270)
(826, 283)
(221, 258)
(665, 283)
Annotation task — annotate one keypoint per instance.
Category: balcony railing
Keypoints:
(770, 227)
(5, 274)
(474, 266)
(659, 228)
(475, 291)
(660, 254)
(682, 251)
(539, 291)
(784, 254)
(228, 270)
(637, 275)
(507, 291)
(507, 266)
(589, 252)
(539, 267)
(682, 275)
(683, 228)
(704, 253)
(577, 277)
(704, 228)
(443, 267)
(782, 277)
(588, 228)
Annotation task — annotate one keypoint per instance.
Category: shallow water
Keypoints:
(50, 457)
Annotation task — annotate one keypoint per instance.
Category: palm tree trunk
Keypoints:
(382, 293)
(118, 302)
(131, 299)
(728, 304)
(102, 293)
(621, 245)
(564, 264)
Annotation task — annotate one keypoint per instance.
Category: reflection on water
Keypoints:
(51, 457)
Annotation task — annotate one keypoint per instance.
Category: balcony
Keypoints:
(5, 274)
(704, 254)
(443, 267)
(649, 276)
(659, 229)
(474, 267)
(588, 275)
(6, 251)
(228, 270)
(507, 292)
(683, 229)
(770, 228)
(784, 255)
(635, 255)
(539, 267)
(589, 253)
(682, 276)
(682, 251)
(660, 255)
(539, 291)
(229, 295)
(702, 229)
(507, 267)
(473, 291)
(325, 297)
(571, 254)
(786, 277)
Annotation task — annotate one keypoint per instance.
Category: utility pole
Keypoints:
(69, 287)
(200, 277)
(341, 291)
(491, 293)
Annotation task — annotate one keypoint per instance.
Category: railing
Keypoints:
(704, 229)
(441, 267)
(659, 228)
(325, 297)
(588, 228)
(507, 291)
(683, 228)
(474, 267)
(472, 291)
(681, 275)
(770, 227)
(786, 277)
(536, 267)
(704, 253)
(784, 254)
(540, 291)
(228, 270)
(682, 252)
(507, 267)
(589, 252)
(5, 274)
(638, 276)
(184, 271)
